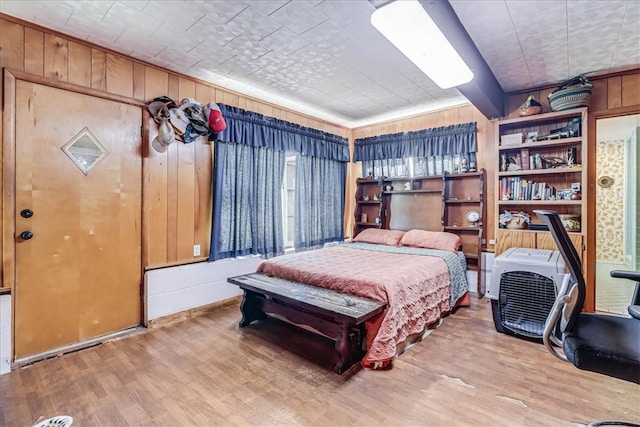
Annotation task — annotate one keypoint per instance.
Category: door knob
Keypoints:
(26, 235)
(26, 213)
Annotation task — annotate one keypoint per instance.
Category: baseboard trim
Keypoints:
(153, 324)
(192, 312)
(61, 351)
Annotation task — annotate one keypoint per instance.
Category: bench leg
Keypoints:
(347, 340)
(251, 308)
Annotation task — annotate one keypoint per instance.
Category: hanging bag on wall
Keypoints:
(574, 93)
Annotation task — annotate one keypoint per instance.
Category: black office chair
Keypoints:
(601, 343)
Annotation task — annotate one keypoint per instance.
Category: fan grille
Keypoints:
(526, 298)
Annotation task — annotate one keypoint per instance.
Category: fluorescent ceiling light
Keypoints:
(410, 28)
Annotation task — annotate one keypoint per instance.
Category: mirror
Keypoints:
(617, 226)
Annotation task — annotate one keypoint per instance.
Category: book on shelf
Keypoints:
(518, 188)
(524, 159)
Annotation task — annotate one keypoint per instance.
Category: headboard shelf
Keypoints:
(435, 203)
(413, 178)
(424, 190)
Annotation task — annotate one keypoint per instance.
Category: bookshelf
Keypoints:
(542, 165)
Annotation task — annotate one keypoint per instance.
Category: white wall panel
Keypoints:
(175, 289)
(5, 334)
(488, 259)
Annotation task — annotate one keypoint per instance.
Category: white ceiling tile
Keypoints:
(514, 73)
(351, 78)
(381, 55)
(57, 19)
(537, 15)
(298, 16)
(501, 53)
(253, 24)
(591, 7)
(540, 75)
(592, 47)
(170, 35)
(284, 41)
(343, 12)
(215, 35)
(237, 66)
(362, 30)
(209, 64)
(180, 59)
(23, 9)
(268, 77)
(123, 14)
(268, 6)
(626, 56)
(274, 61)
(324, 58)
(312, 55)
(247, 49)
(304, 74)
(494, 20)
(166, 10)
(627, 48)
(207, 76)
(144, 43)
(93, 28)
(218, 11)
(97, 9)
(325, 35)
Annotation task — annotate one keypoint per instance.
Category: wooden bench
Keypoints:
(334, 314)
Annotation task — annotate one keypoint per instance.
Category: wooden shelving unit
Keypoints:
(463, 198)
(544, 184)
(368, 212)
(427, 203)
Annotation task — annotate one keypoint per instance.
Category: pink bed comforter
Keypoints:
(415, 288)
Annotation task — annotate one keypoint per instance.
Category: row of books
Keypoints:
(518, 188)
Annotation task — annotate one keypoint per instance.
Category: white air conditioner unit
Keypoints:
(523, 288)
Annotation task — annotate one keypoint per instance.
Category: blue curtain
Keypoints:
(250, 157)
(319, 206)
(454, 139)
(247, 214)
(246, 127)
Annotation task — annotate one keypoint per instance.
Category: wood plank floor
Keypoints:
(205, 371)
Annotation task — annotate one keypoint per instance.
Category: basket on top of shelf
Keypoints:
(573, 93)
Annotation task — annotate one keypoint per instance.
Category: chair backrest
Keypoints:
(572, 261)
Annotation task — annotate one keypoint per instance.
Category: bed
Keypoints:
(420, 275)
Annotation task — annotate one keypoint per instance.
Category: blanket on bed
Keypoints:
(415, 283)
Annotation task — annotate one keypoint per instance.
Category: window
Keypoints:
(420, 166)
(288, 200)
(256, 208)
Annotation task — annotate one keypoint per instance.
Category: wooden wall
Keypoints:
(461, 114)
(176, 185)
(610, 94)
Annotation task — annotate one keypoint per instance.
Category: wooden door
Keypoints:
(79, 275)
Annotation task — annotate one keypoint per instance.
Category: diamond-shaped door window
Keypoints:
(85, 150)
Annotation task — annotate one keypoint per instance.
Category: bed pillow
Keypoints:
(432, 240)
(380, 236)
